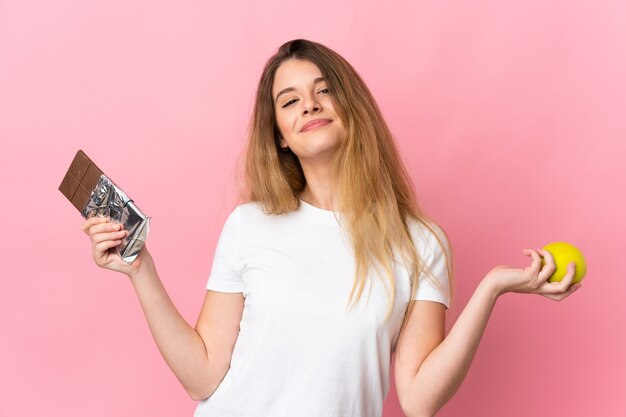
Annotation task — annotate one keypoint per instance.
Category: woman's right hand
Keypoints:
(533, 279)
(105, 235)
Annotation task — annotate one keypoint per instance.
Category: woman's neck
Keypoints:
(317, 190)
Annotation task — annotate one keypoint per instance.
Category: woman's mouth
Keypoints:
(314, 124)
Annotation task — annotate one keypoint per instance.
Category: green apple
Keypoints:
(563, 254)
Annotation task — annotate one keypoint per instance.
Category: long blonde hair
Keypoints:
(375, 191)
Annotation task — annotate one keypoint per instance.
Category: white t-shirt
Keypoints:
(299, 351)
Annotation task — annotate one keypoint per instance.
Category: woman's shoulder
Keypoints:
(426, 233)
(248, 207)
(250, 211)
(246, 210)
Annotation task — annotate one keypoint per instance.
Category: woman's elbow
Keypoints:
(202, 388)
(199, 395)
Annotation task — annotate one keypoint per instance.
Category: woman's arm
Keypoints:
(426, 382)
(198, 357)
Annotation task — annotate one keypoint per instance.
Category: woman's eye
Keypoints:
(290, 102)
(324, 90)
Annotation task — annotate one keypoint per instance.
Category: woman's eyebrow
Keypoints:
(288, 89)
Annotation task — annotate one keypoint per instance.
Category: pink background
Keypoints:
(511, 120)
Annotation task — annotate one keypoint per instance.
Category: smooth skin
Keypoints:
(200, 356)
(429, 366)
(301, 96)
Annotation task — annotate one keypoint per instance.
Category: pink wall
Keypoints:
(510, 115)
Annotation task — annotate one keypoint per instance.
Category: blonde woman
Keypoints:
(325, 270)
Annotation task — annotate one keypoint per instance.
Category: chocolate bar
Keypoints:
(94, 194)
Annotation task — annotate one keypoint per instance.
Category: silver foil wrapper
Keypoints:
(107, 199)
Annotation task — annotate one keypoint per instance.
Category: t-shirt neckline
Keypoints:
(318, 214)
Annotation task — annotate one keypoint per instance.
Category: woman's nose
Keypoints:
(311, 105)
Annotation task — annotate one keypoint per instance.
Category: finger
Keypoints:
(566, 282)
(536, 263)
(562, 296)
(106, 245)
(89, 223)
(102, 237)
(104, 228)
(549, 267)
(546, 255)
(559, 287)
(100, 253)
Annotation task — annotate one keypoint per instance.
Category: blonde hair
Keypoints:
(375, 191)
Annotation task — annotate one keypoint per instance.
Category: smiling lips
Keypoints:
(314, 124)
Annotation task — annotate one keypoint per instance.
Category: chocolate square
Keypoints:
(81, 178)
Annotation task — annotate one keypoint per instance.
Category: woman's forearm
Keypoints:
(180, 345)
(443, 371)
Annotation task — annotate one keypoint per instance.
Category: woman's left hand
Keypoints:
(534, 278)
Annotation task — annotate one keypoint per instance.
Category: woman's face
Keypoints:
(305, 112)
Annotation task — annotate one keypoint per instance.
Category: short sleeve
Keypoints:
(225, 273)
(432, 255)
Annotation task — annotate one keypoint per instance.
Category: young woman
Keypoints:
(326, 269)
